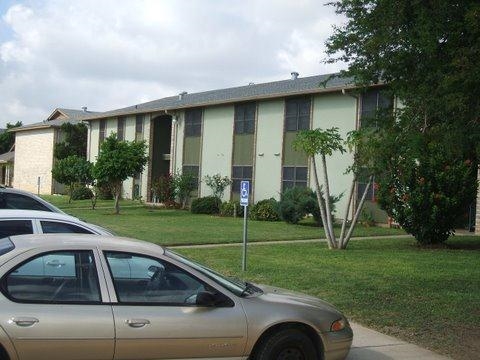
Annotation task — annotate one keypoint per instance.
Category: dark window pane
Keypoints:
(17, 201)
(288, 173)
(249, 127)
(238, 127)
(304, 122)
(57, 277)
(247, 172)
(304, 107)
(301, 183)
(291, 123)
(121, 128)
(287, 185)
(237, 172)
(15, 227)
(54, 227)
(139, 124)
(141, 279)
(291, 108)
(236, 185)
(301, 173)
(193, 122)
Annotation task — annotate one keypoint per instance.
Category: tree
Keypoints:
(117, 161)
(218, 184)
(74, 142)
(71, 171)
(184, 184)
(325, 143)
(7, 138)
(424, 153)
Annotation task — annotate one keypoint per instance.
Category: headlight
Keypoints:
(338, 325)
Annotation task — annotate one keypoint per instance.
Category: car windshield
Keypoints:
(235, 286)
(6, 246)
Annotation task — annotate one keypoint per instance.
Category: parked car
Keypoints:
(19, 199)
(71, 296)
(19, 222)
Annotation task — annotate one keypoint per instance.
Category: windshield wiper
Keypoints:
(250, 289)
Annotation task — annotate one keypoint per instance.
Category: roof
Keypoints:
(7, 157)
(299, 86)
(68, 116)
(35, 214)
(34, 241)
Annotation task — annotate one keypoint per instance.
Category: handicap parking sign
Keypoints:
(244, 192)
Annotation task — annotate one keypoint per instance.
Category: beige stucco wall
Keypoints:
(268, 167)
(217, 145)
(336, 110)
(33, 159)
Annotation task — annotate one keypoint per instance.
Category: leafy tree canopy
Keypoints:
(7, 138)
(74, 141)
(117, 161)
(424, 154)
(71, 171)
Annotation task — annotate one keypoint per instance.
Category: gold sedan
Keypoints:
(71, 296)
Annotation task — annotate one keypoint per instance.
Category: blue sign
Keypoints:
(244, 192)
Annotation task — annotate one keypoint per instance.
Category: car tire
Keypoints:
(287, 344)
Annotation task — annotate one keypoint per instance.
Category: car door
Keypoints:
(156, 316)
(55, 307)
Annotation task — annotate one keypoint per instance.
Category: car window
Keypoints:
(6, 246)
(55, 277)
(142, 279)
(56, 227)
(18, 201)
(15, 227)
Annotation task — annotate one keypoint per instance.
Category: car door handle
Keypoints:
(137, 323)
(24, 321)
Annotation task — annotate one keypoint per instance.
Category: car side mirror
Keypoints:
(205, 298)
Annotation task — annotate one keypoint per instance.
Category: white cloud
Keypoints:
(106, 54)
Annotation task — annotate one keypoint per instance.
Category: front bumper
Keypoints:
(336, 345)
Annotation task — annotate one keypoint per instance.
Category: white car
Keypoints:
(20, 222)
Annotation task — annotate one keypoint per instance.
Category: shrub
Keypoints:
(265, 210)
(81, 193)
(227, 208)
(298, 202)
(206, 205)
(104, 192)
(163, 189)
(217, 183)
(184, 184)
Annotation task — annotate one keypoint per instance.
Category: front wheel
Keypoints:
(287, 344)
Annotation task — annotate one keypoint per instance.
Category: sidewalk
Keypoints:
(372, 345)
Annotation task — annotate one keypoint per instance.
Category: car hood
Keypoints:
(277, 295)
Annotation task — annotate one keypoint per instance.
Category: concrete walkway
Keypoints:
(372, 345)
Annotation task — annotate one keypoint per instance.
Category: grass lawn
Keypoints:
(170, 227)
(427, 296)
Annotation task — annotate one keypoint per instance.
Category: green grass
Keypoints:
(427, 296)
(170, 227)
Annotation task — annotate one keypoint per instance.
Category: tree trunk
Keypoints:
(345, 217)
(117, 189)
(357, 214)
(321, 205)
(328, 214)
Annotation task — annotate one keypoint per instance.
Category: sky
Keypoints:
(108, 54)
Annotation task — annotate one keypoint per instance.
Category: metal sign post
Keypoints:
(244, 193)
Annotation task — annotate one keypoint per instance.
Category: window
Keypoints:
(15, 227)
(102, 131)
(240, 173)
(121, 128)
(6, 246)
(142, 279)
(55, 227)
(193, 122)
(374, 101)
(371, 193)
(56, 277)
(294, 176)
(18, 201)
(139, 127)
(297, 114)
(245, 118)
(193, 170)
